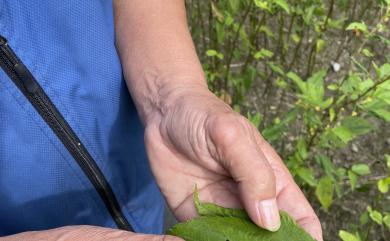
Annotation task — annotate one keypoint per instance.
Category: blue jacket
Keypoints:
(68, 46)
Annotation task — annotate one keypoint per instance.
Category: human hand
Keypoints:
(87, 233)
(198, 139)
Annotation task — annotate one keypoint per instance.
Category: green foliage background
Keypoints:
(314, 77)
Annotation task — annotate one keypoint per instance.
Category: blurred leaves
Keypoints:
(314, 77)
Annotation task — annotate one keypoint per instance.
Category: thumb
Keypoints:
(235, 148)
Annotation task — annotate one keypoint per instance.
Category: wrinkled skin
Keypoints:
(90, 233)
(191, 136)
(202, 141)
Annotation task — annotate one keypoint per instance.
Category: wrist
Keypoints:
(166, 92)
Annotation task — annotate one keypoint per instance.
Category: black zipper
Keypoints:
(31, 89)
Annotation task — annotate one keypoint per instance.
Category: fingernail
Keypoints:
(269, 214)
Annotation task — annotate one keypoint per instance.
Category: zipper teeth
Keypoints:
(75, 148)
(8, 54)
(61, 128)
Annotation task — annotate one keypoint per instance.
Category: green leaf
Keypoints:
(388, 161)
(351, 84)
(332, 87)
(317, 79)
(220, 224)
(249, 77)
(363, 219)
(315, 89)
(327, 164)
(361, 169)
(320, 45)
(273, 132)
(220, 29)
(281, 83)
(384, 71)
(229, 20)
(211, 52)
(382, 93)
(263, 53)
(358, 26)
(262, 4)
(343, 133)
(276, 68)
(346, 236)
(332, 114)
(375, 215)
(244, 38)
(296, 38)
(302, 149)
(365, 85)
(212, 210)
(234, 5)
(386, 221)
(298, 81)
(214, 53)
(353, 178)
(367, 53)
(255, 119)
(378, 106)
(217, 12)
(282, 4)
(267, 31)
(307, 176)
(357, 125)
(359, 65)
(324, 192)
(383, 186)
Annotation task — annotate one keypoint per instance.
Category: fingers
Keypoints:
(146, 237)
(290, 197)
(236, 149)
(90, 233)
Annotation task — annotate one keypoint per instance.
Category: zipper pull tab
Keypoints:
(26, 77)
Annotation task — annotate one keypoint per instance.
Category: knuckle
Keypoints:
(266, 179)
(227, 129)
(257, 175)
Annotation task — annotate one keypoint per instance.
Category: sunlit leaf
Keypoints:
(353, 178)
(324, 191)
(307, 176)
(358, 26)
(386, 221)
(375, 215)
(361, 169)
(343, 133)
(283, 4)
(217, 223)
(346, 236)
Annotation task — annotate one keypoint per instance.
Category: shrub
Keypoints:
(314, 77)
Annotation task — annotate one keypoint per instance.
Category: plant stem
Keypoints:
(202, 25)
(234, 45)
(312, 55)
(319, 130)
(249, 56)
